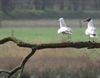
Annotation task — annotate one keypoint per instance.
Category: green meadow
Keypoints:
(48, 35)
(44, 34)
(50, 63)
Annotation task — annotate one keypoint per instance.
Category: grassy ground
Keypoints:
(50, 63)
(44, 34)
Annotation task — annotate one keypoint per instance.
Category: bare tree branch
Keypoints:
(35, 47)
(14, 71)
(4, 71)
(4, 40)
(20, 67)
(26, 59)
(79, 45)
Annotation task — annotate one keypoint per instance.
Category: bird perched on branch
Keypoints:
(64, 29)
(91, 30)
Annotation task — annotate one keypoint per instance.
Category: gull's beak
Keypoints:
(88, 19)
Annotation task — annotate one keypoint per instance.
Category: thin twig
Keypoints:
(22, 65)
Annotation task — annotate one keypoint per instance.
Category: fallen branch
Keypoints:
(20, 67)
(79, 45)
(35, 47)
(4, 71)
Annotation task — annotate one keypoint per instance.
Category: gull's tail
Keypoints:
(93, 35)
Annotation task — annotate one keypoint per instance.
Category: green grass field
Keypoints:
(43, 34)
(46, 35)
(51, 63)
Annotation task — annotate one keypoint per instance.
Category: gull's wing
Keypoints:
(66, 30)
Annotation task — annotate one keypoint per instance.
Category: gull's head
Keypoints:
(88, 19)
(62, 22)
(60, 19)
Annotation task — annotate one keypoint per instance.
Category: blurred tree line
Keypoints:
(43, 6)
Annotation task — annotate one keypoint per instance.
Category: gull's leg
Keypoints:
(89, 39)
(93, 39)
(69, 37)
(62, 38)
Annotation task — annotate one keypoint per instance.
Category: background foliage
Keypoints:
(36, 9)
